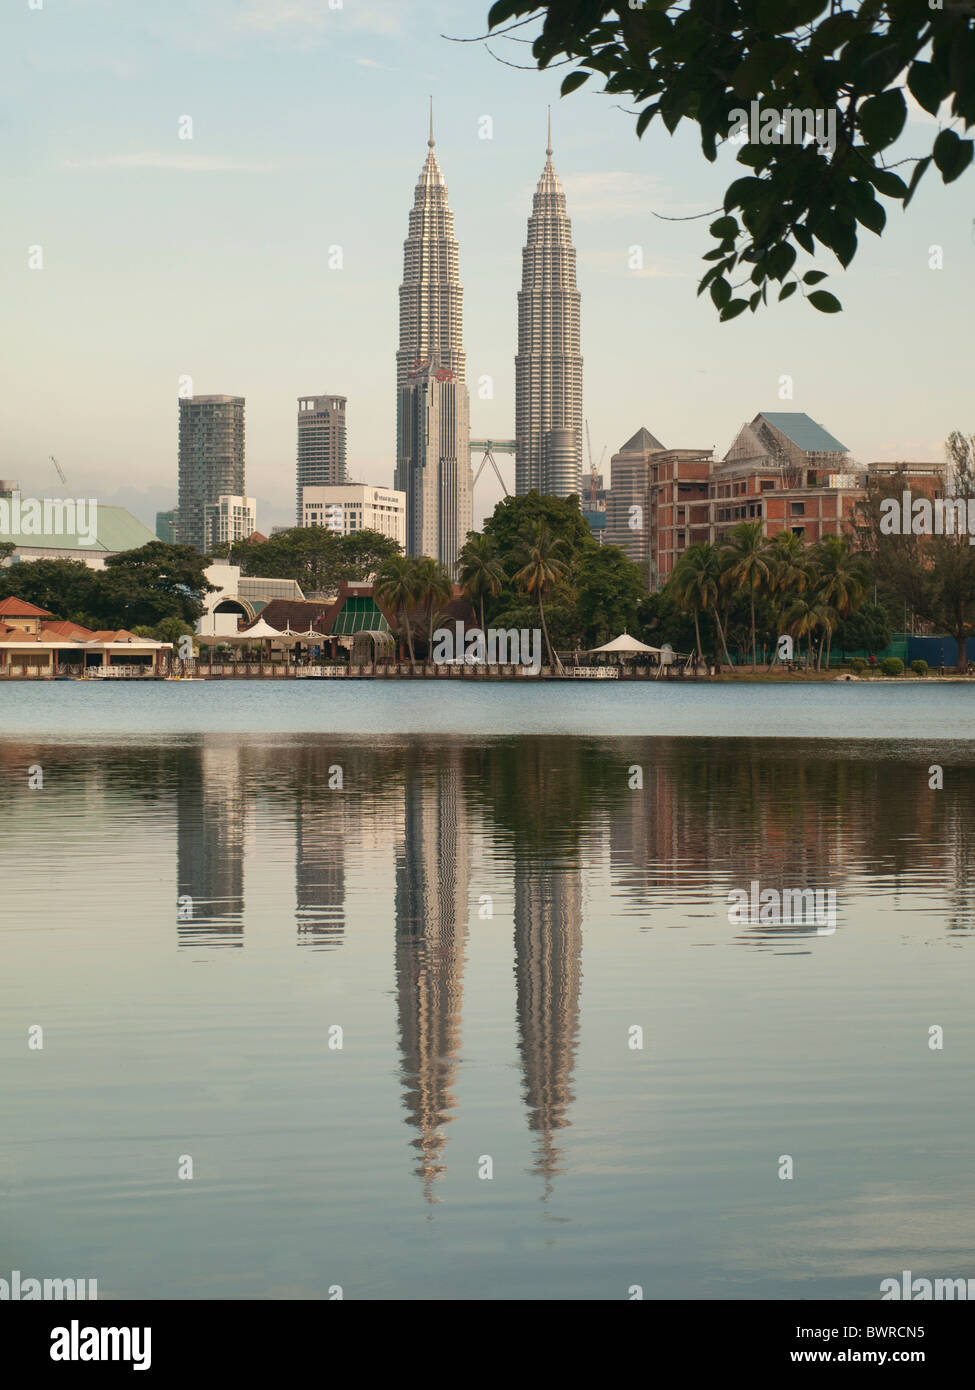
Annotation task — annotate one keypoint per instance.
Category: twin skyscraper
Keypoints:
(433, 452)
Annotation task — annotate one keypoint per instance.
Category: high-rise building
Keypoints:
(628, 500)
(433, 449)
(211, 460)
(166, 523)
(548, 365)
(228, 519)
(321, 443)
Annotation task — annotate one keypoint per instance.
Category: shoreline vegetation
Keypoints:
(736, 608)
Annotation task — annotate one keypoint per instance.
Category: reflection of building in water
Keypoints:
(212, 810)
(548, 975)
(432, 892)
(323, 819)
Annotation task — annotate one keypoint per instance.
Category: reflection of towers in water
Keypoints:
(548, 974)
(322, 821)
(212, 808)
(432, 893)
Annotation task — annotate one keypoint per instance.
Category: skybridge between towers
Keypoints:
(487, 448)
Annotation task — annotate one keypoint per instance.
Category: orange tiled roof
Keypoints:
(20, 608)
(68, 629)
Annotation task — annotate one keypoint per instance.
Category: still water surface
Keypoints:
(486, 919)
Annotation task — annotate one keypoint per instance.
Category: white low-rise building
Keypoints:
(238, 598)
(229, 519)
(347, 508)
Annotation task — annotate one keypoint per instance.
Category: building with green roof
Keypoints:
(57, 529)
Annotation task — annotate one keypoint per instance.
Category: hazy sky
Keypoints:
(210, 257)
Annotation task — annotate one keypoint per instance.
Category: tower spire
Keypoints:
(431, 141)
(548, 149)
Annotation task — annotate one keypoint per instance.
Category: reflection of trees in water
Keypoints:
(721, 812)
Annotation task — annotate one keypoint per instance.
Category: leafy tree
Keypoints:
(7, 548)
(155, 581)
(660, 619)
(65, 588)
(703, 60)
(316, 558)
(865, 630)
(610, 588)
(515, 520)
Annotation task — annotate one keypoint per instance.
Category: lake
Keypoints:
(455, 1009)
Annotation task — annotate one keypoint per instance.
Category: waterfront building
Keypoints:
(115, 530)
(321, 444)
(548, 364)
(211, 460)
(239, 598)
(229, 519)
(352, 507)
(433, 455)
(32, 646)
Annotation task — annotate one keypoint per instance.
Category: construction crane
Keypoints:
(593, 470)
(64, 481)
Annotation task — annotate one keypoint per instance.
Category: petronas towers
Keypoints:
(433, 449)
(433, 436)
(548, 367)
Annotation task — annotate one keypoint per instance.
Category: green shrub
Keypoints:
(892, 666)
(919, 667)
(858, 665)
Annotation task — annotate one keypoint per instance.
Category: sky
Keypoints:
(208, 257)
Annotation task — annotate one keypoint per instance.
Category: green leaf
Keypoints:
(927, 85)
(919, 169)
(788, 289)
(742, 192)
(825, 302)
(813, 277)
(868, 211)
(732, 310)
(952, 155)
(888, 183)
(881, 119)
(726, 228)
(574, 80)
(805, 239)
(720, 292)
(644, 119)
(781, 260)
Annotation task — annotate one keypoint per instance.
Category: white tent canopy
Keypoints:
(626, 645)
(259, 632)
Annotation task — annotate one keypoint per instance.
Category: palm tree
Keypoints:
(542, 569)
(480, 571)
(397, 585)
(434, 588)
(841, 580)
(695, 582)
(806, 616)
(790, 576)
(747, 564)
